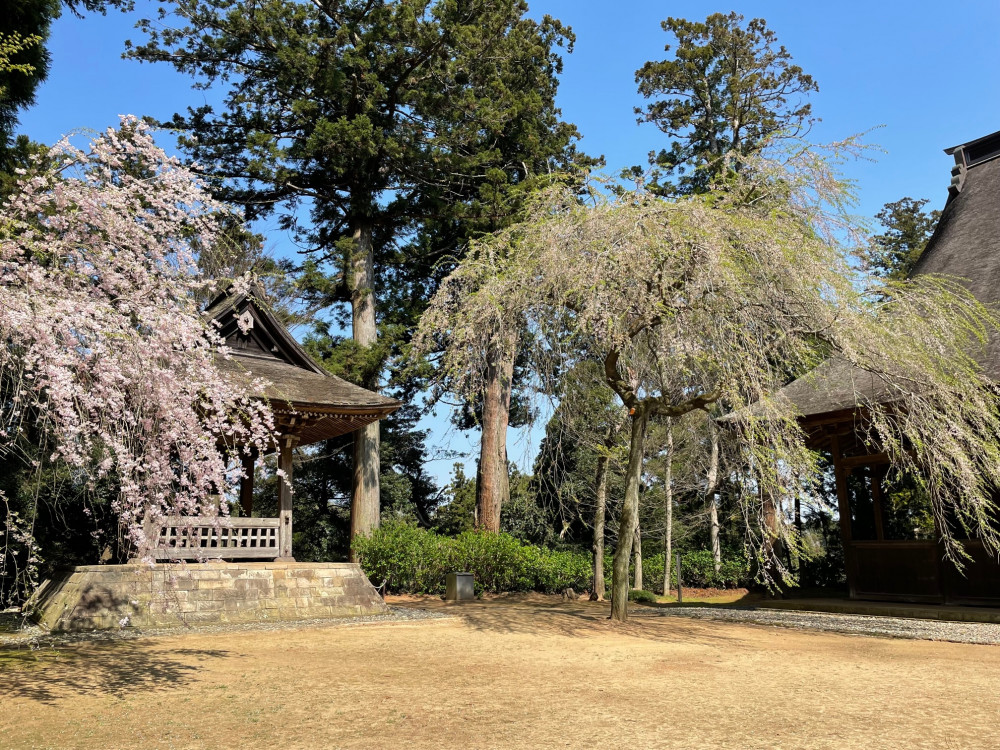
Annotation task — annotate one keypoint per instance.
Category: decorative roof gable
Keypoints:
(251, 330)
(309, 402)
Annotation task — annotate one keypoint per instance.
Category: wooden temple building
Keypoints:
(891, 549)
(244, 569)
(309, 405)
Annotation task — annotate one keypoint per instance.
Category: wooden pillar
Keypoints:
(844, 509)
(246, 484)
(285, 499)
(877, 473)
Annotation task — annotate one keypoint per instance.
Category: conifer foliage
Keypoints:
(379, 121)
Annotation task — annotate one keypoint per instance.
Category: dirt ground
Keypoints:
(529, 672)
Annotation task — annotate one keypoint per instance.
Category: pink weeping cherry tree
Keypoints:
(105, 358)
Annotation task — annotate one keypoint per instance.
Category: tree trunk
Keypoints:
(668, 502)
(796, 550)
(601, 495)
(365, 491)
(630, 514)
(773, 548)
(713, 519)
(713, 499)
(637, 557)
(492, 479)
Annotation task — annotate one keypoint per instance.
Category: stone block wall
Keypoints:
(98, 597)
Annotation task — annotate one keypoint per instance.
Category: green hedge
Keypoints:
(412, 560)
(697, 569)
(639, 595)
(416, 561)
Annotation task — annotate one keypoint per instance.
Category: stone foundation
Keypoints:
(96, 597)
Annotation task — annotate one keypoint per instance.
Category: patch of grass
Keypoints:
(718, 597)
(22, 659)
(645, 597)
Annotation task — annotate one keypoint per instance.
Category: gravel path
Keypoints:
(18, 635)
(891, 627)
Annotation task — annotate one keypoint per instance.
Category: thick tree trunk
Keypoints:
(668, 503)
(601, 495)
(365, 491)
(637, 557)
(492, 479)
(630, 514)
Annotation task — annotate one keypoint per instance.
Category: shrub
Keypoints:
(417, 561)
(698, 569)
(406, 557)
(638, 595)
(413, 560)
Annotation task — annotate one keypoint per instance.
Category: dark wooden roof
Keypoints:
(308, 401)
(965, 245)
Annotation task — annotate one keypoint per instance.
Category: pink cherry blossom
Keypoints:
(103, 342)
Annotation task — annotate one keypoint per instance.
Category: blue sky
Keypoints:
(923, 73)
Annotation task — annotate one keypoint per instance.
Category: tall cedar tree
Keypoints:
(373, 118)
(893, 254)
(727, 89)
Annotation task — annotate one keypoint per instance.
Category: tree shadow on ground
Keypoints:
(749, 599)
(548, 615)
(111, 669)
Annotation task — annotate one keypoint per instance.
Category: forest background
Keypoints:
(886, 64)
(874, 66)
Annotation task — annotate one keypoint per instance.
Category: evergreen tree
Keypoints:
(387, 124)
(458, 512)
(728, 88)
(908, 228)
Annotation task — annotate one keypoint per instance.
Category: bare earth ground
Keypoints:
(507, 673)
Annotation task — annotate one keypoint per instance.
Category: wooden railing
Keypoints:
(202, 538)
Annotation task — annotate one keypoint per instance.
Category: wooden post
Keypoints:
(285, 499)
(844, 510)
(876, 478)
(246, 485)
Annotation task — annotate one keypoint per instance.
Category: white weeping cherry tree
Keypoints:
(712, 302)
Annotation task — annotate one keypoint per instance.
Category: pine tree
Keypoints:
(727, 89)
(364, 125)
(908, 228)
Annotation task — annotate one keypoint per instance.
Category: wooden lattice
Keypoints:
(198, 538)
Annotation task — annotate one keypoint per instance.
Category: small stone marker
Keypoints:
(459, 587)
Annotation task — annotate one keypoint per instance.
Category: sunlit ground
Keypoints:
(526, 672)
